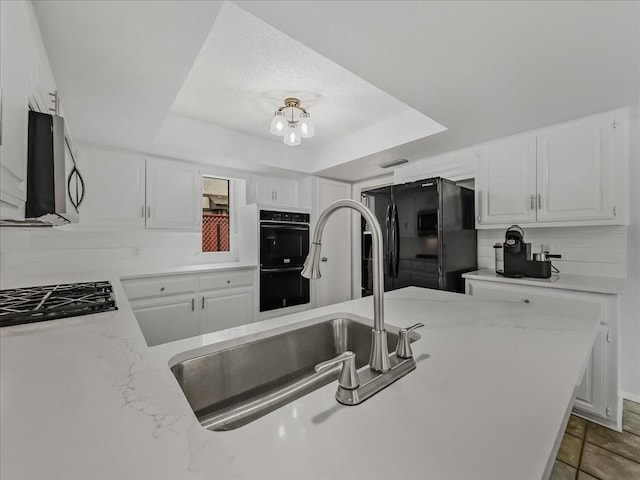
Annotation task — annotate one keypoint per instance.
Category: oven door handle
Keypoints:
(293, 226)
(278, 270)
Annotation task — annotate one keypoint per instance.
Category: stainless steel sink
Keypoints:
(233, 387)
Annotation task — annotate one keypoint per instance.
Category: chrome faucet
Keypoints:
(379, 357)
(355, 387)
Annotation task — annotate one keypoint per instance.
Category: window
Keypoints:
(215, 215)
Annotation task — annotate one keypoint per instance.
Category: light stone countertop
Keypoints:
(185, 270)
(84, 397)
(566, 281)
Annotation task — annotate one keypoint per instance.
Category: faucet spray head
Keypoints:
(311, 268)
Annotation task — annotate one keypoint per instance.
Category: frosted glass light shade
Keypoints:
(306, 126)
(278, 124)
(292, 135)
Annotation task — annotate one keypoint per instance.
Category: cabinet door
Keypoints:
(14, 55)
(334, 285)
(275, 191)
(575, 171)
(263, 193)
(590, 394)
(174, 192)
(221, 310)
(114, 194)
(506, 184)
(285, 192)
(172, 319)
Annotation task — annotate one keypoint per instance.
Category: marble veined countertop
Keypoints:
(566, 281)
(85, 397)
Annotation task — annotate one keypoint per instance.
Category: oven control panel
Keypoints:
(275, 216)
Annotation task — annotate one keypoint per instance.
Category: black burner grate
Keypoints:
(37, 304)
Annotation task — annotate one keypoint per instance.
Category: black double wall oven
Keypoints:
(284, 245)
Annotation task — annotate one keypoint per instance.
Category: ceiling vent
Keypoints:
(393, 163)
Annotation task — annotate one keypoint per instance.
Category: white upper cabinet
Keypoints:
(273, 191)
(507, 182)
(575, 171)
(26, 80)
(570, 174)
(14, 70)
(128, 191)
(114, 193)
(174, 193)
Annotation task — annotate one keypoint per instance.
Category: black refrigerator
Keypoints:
(428, 231)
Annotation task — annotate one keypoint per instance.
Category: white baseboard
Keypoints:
(631, 396)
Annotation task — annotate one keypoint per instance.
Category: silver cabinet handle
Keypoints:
(193, 304)
(141, 211)
(533, 202)
(149, 211)
(202, 303)
(348, 375)
(539, 201)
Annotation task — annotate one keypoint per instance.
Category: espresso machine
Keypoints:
(518, 259)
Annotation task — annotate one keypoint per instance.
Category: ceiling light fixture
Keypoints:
(292, 122)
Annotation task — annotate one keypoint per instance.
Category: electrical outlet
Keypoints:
(136, 251)
(547, 247)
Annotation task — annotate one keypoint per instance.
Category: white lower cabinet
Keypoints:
(590, 394)
(221, 310)
(597, 393)
(174, 307)
(166, 320)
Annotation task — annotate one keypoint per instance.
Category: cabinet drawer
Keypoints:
(230, 279)
(557, 298)
(159, 286)
(503, 292)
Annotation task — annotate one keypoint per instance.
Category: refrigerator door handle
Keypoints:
(387, 242)
(395, 255)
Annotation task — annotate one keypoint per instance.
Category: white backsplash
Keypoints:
(28, 251)
(600, 251)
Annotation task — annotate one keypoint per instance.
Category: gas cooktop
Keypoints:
(38, 304)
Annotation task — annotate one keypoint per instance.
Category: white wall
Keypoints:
(28, 251)
(40, 251)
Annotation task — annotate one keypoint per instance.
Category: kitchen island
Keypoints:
(85, 397)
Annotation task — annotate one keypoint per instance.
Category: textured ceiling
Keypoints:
(246, 69)
(484, 69)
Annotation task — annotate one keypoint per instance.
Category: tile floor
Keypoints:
(592, 452)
